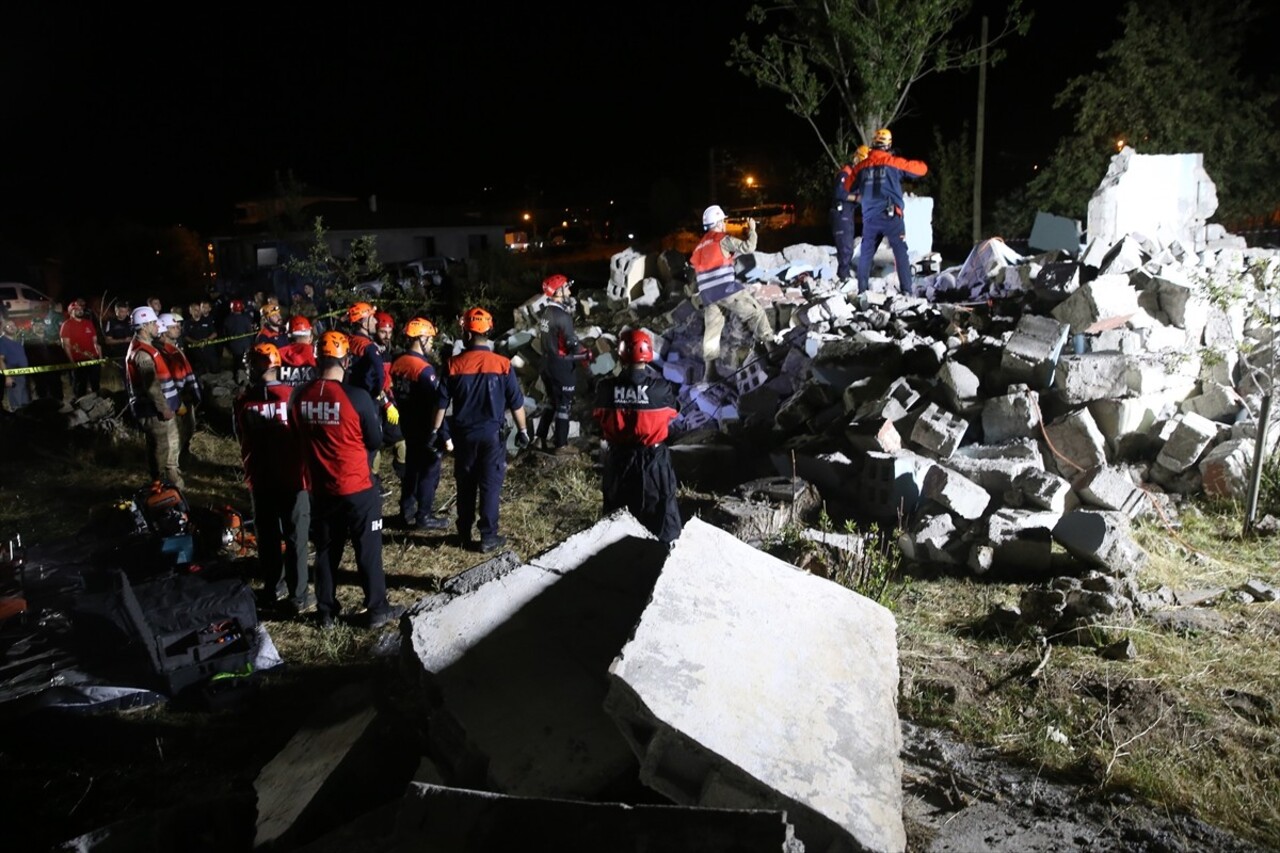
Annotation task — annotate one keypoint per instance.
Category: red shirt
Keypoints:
(339, 427)
(269, 445)
(82, 338)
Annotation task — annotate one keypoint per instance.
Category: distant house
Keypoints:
(404, 233)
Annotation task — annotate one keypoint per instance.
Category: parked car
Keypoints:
(22, 303)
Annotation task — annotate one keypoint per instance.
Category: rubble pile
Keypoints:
(1007, 405)
(88, 414)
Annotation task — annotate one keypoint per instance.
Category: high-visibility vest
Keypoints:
(714, 270)
(140, 402)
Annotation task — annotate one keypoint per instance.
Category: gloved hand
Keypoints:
(393, 414)
(522, 439)
(431, 438)
(182, 410)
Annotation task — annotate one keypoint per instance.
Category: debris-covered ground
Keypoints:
(1021, 458)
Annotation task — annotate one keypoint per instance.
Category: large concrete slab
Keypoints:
(454, 820)
(515, 659)
(750, 684)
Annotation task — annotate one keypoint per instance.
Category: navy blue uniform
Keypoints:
(481, 386)
(417, 390)
(561, 353)
(879, 185)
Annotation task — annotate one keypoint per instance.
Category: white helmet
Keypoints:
(168, 320)
(712, 215)
(142, 315)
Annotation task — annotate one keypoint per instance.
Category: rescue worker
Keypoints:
(878, 184)
(367, 369)
(720, 291)
(237, 327)
(844, 202)
(384, 330)
(561, 354)
(117, 331)
(298, 359)
(153, 397)
(481, 386)
(338, 425)
(271, 330)
(634, 410)
(275, 470)
(79, 338)
(200, 328)
(184, 378)
(417, 389)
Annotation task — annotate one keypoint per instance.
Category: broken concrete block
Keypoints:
(1076, 442)
(956, 492)
(1218, 403)
(1100, 539)
(1123, 341)
(927, 539)
(1192, 434)
(515, 657)
(1042, 489)
(626, 271)
(1108, 487)
(1093, 376)
(1118, 418)
(1109, 297)
(881, 436)
(891, 484)
(939, 431)
(1031, 353)
(748, 684)
(996, 466)
(437, 818)
(959, 380)
(1015, 415)
(1153, 194)
(292, 782)
(1022, 541)
(1225, 470)
(762, 508)
(1125, 256)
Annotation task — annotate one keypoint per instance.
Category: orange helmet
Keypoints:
(637, 347)
(271, 313)
(882, 139)
(264, 356)
(359, 311)
(419, 326)
(552, 283)
(385, 320)
(477, 320)
(334, 345)
(299, 326)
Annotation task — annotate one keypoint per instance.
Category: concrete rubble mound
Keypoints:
(1120, 374)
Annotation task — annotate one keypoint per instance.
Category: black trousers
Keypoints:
(642, 480)
(560, 380)
(357, 517)
(282, 517)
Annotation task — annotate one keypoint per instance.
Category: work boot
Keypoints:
(491, 542)
(383, 617)
(566, 450)
(432, 522)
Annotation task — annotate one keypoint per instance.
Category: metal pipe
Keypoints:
(1259, 454)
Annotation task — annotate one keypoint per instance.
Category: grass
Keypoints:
(1193, 723)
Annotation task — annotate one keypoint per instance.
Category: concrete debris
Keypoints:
(433, 817)
(747, 684)
(1108, 374)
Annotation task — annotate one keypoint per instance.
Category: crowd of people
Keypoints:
(323, 396)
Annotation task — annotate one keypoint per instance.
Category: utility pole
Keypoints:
(979, 136)
(711, 175)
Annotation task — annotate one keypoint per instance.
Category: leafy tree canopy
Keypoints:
(1170, 84)
(846, 66)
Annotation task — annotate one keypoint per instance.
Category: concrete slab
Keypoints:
(515, 656)
(749, 684)
(453, 820)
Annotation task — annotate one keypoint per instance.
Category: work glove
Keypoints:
(182, 410)
(522, 439)
(393, 414)
(431, 438)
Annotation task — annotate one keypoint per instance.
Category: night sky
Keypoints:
(172, 119)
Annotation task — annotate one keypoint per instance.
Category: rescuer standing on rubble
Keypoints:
(482, 387)
(417, 387)
(275, 470)
(634, 411)
(153, 397)
(339, 426)
(878, 184)
(844, 202)
(721, 292)
(561, 353)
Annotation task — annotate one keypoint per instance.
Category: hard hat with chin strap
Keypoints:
(142, 315)
(418, 327)
(712, 215)
(477, 321)
(882, 139)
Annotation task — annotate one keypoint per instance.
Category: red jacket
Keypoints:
(270, 449)
(340, 430)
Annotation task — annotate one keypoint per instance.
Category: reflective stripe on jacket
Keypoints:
(714, 269)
